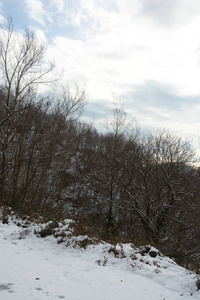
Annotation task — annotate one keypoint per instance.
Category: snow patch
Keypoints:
(64, 266)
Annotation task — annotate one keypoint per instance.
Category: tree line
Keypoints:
(122, 184)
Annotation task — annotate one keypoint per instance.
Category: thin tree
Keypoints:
(22, 69)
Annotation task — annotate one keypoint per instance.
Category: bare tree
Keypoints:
(22, 69)
(23, 66)
(107, 167)
(71, 101)
(39, 156)
(154, 182)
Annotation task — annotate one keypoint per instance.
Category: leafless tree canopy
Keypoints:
(122, 185)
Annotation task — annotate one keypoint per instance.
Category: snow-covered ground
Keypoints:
(33, 268)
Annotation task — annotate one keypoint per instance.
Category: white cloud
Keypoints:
(2, 19)
(40, 35)
(37, 11)
(89, 15)
(122, 52)
(59, 5)
(161, 12)
(122, 44)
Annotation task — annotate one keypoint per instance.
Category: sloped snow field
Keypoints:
(35, 268)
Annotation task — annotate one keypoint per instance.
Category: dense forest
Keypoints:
(121, 185)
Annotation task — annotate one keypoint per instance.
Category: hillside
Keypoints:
(64, 266)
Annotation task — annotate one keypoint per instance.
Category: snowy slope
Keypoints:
(33, 268)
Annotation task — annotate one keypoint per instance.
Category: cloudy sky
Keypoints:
(145, 52)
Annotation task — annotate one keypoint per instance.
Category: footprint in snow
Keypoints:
(4, 287)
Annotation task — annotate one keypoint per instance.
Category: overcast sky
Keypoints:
(145, 52)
